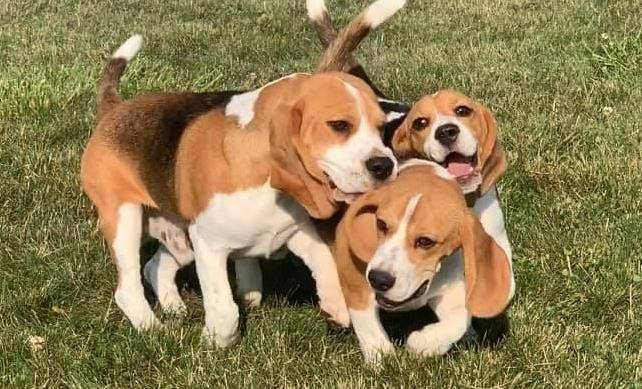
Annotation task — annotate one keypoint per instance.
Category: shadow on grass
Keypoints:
(289, 280)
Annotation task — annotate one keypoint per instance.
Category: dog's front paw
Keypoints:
(211, 339)
(373, 355)
(172, 304)
(428, 342)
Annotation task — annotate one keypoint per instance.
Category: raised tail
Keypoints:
(322, 22)
(108, 96)
(338, 55)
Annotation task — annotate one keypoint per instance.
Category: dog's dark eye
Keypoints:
(463, 111)
(339, 125)
(424, 243)
(419, 124)
(382, 226)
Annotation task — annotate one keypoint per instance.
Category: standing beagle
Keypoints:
(161, 270)
(414, 242)
(241, 172)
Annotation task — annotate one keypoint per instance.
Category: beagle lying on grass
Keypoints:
(242, 172)
(414, 242)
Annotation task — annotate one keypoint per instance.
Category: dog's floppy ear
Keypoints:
(360, 226)
(492, 156)
(486, 268)
(287, 169)
(401, 143)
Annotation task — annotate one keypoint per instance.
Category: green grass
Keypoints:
(572, 195)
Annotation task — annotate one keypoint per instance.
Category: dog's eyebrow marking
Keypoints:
(242, 105)
(395, 244)
(410, 210)
(355, 94)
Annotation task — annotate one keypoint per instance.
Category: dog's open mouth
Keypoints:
(388, 304)
(460, 166)
(464, 169)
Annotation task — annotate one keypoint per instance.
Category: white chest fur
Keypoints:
(251, 222)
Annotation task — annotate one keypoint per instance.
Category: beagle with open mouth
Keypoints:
(447, 127)
(414, 242)
(238, 173)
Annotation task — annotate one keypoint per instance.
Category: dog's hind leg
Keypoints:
(173, 254)
(125, 226)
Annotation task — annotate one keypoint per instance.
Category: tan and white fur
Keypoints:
(467, 143)
(460, 134)
(239, 174)
(161, 270)
(414, 242)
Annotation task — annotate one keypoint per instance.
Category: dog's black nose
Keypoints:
(380, 167)
(380, 280)
(447, 134)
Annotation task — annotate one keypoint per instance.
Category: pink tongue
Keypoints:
(459, 169)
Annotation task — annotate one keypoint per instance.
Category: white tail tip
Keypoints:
(381, 10)
(316, 9)
(128, 50)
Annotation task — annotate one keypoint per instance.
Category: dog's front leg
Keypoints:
(454, 321)
(307, 245)
(373, 340)
(221, 312)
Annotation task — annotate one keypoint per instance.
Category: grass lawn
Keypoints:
(564, 79)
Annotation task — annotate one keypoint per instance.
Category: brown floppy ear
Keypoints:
(360, 226)
(492, 156)
(401, 144)
(486, 268)
(287, 170)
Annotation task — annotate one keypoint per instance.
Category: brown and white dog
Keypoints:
(461, 135)
(414, 242)
(447, 127)
(161, 270)
(242, 173)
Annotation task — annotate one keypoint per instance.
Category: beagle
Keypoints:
(237, 173)
(447, 127)
(414, 242)
(161, 270)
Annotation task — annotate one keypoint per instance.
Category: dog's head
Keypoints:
(459, 134)
(404, 230)
(325, 143)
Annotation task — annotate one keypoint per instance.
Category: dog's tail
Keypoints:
(338, 55)
(108, 96)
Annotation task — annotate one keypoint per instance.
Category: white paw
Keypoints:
(252, 298)
(373, 355)
(335, 307)
(136, 308)
(172, 304)
(222, 328)
(209, 338)
(428, 342)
